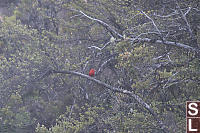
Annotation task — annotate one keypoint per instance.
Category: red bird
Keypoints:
(92, 72)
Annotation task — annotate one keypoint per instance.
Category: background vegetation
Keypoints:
(146, 54)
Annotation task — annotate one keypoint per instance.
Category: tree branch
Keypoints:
(181, 45)
(114, 89)
(183, 16)
(103, 24)
(154, 24)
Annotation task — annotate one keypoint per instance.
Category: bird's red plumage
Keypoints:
(92, 72)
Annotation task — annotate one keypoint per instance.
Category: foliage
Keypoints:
(125, 41)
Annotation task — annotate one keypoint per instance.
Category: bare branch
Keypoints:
(187, 11)
(183, 16)
(152, 22)
(196, 9)
(129, 93)
(181, 45)
(147, 33)
(95, 47)
(144, 39)
(98, 48)
(167, 16)
(170, 80)
(102, 23)
(102, 65)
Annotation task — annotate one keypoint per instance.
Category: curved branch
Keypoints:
(170, 43)
(176, 44)
(103, 24)
(114, 89)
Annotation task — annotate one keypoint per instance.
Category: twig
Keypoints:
(102, 23)
(98, 48)
(152, 22)
(167, 16)
(183, 16)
